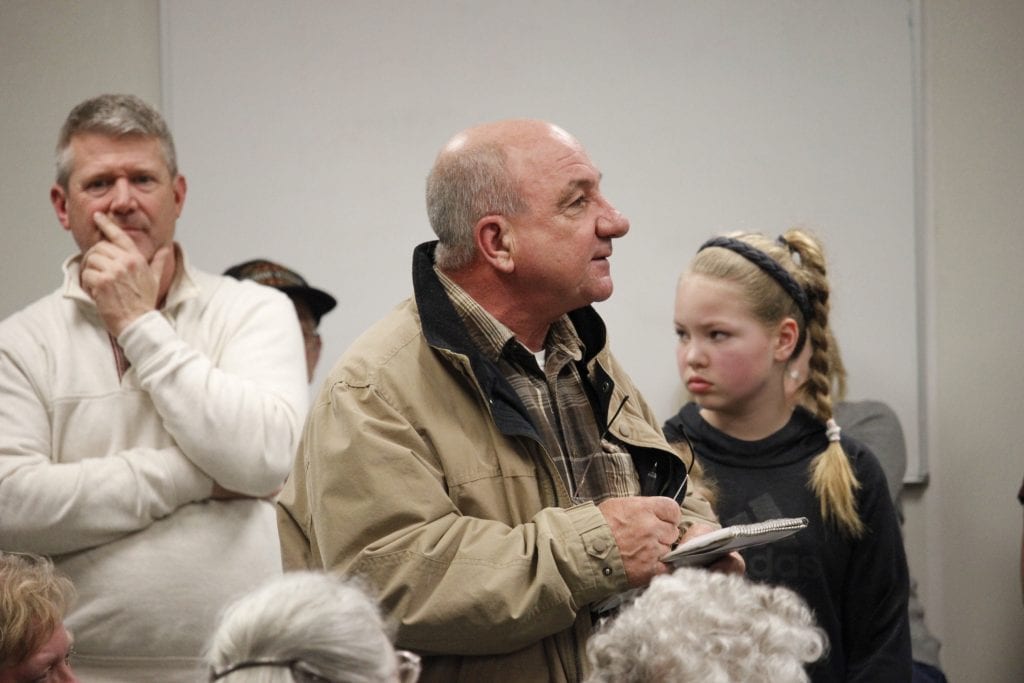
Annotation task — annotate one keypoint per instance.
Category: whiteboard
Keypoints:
(306, 130)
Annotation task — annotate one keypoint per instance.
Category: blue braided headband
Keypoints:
(773, 269)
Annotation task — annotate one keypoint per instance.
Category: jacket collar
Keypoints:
(443, 328)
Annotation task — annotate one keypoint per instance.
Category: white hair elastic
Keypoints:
(832, 430)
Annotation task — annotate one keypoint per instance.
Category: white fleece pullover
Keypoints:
(112, 475)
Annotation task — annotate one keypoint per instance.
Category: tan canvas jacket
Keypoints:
(412, 474)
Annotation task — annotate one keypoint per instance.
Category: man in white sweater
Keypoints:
(149, 411)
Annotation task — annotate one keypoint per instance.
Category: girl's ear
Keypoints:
(785, 339)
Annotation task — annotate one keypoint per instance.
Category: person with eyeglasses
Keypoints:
(479, 456)
(35, 646)
(307, 627)
(311, 304)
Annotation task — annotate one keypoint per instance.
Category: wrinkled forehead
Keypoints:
(100, 148)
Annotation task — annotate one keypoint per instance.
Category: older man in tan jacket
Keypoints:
(479, 456)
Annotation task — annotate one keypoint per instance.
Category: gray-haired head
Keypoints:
(303, 624)
(115, 116)
(469, 180)
(708, 627)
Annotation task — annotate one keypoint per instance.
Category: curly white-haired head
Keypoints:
(697, 625)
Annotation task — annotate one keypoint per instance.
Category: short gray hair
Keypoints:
(116, 116)
(464, 186)
(327, 625)
(699, 625)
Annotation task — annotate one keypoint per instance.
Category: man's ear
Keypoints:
(179, 188)
(59, 199)
(786, 338)
(495, 243)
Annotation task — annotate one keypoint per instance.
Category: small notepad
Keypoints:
(707, 548)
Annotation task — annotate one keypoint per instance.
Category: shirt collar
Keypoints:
(493, 337)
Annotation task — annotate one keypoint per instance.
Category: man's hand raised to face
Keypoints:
(119, 279)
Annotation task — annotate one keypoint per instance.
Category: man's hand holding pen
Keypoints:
(645, 529)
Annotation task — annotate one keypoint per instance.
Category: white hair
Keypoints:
(698, 625)
(318, 623)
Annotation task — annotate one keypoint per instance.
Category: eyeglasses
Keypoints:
(615, 415)
(300, 670)
(581, 478)
(680, 493)
(580, 489)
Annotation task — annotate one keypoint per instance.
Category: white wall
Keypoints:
(963, 530)
(307, 131)
(53, 55)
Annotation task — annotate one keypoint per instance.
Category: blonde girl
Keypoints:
(745, 307)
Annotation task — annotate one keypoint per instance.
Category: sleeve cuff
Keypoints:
(603, 563)
(145, 337)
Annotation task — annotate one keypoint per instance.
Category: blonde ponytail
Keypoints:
(831, 476)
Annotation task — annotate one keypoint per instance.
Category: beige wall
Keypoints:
(963, 530)
(54, 54)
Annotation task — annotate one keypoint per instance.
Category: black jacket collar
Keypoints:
(443, 327)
